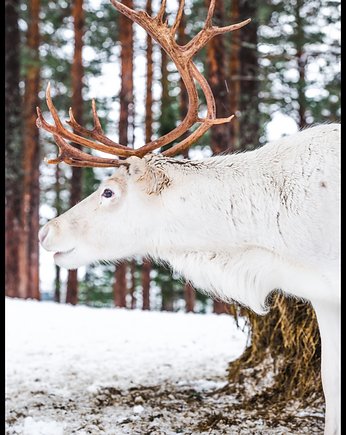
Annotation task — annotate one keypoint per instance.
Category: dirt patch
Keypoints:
(166, 410)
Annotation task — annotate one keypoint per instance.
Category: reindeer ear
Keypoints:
(152, 178)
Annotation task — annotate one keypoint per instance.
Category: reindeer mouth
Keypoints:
(60, 254)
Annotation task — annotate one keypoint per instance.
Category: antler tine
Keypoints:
(97, 125)
(75, 157)
(97, 132)
(211, 9)
(209, 31)
(59, 130)
(178, 17)
(161, 13)
(125, 10)
(52, 108)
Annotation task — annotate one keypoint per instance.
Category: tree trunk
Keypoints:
(126, 91)
(132, 290)
(220, 307)
(149, 84)
(77, 73)
(13, 148)
(57, 285)
(29, 247)
(249, 72)
(235, 78)
(126, 116)
(58, 208)
(146, 267)
(190, 297)
(216, 64)
(301, 64)
(120, 285)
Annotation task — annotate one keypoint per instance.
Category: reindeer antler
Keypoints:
(182, 57)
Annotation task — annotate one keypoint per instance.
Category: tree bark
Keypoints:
(301, 64)
(13, 148)
(149, 84)
(146, 267)
(216, 64)
(126, 117)
(249, 72)
(190, 297)
(235, 78)
(120, 286)
(220, 307)
(126, 91)
(58, 208)
(29, 247)
(132, 290)
(77, 73)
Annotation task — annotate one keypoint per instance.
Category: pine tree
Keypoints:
(300, 60)
(146, 266)
(235, 77)
(58, 208)
(77, 74)
(13, 147)
(126, 114)
(28, 244)
(249, 77)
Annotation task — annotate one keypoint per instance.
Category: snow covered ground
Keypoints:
(79, 370)
(64, 351)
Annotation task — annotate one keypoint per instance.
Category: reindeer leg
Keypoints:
(328, 317)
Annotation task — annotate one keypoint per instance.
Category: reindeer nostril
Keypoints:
(43, 233)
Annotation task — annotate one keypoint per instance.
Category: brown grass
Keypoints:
(285, 342)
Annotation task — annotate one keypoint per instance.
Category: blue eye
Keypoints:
(107, 193)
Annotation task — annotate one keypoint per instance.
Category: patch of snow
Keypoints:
(61, 359)
(40, 427)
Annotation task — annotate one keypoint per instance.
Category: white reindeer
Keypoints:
(238, 226)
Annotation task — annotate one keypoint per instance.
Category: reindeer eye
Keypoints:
(107, 193)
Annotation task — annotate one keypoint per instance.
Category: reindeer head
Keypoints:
(107, 225)
(82, 234)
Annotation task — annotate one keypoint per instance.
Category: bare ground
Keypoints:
(162, 410)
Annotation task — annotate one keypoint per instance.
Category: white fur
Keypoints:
(237, 226)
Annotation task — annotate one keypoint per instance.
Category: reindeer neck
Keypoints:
(217, 204)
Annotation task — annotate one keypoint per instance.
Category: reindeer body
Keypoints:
(256, 221)
(238, 226)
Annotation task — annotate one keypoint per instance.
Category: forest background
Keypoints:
(278, 74)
